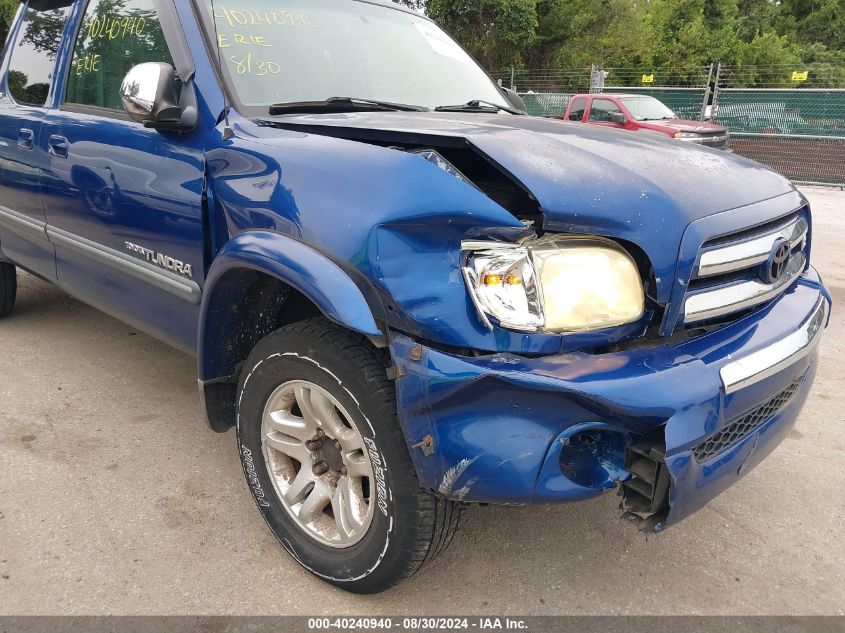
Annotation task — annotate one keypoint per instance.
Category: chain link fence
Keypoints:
(546, 92)
(791, 120)
(815, 160)
(799, 131)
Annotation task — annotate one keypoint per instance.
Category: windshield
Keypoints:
(311, 50)
(647, 109)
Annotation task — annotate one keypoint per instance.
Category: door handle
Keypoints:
(26, 138)
(57, 146)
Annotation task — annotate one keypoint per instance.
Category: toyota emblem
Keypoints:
(775, 266)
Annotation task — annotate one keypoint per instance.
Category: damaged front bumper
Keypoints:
(672, 426)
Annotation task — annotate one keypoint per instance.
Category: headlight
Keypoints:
(587, 284)
(503, 285)
(688, 136)
(560, 284)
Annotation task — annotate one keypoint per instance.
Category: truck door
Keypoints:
(602, 112)
(27, 75)
(124, 202)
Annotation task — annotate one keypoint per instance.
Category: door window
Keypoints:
(115, 36)
(602, 109)
(34, 55)
(576, 112)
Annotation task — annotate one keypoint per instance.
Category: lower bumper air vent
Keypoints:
(748, 423)
(645, 495)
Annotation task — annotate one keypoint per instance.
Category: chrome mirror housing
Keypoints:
(148, 93)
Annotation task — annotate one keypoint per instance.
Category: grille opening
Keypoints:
(746, 424)
(754, 231)
(719, 280)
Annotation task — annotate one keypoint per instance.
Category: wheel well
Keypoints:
(247, 306)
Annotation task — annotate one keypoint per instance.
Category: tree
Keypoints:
(44, 30)
(7, 14)
(496, 32)
(578, 33)
(674, 37)
(417, 5)
(17, 82)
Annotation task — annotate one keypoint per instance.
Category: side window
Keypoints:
(576, 112)
(601, 109)
(115, 36)
(34, 55)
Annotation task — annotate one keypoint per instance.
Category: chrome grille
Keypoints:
(734, 273)
(718, 140)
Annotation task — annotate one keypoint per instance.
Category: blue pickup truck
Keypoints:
(406, 295)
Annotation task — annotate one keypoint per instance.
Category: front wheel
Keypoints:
(327, 462)
(8, 288)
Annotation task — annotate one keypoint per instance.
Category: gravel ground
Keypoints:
(116, 499)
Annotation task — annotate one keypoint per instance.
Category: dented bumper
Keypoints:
(506, 429)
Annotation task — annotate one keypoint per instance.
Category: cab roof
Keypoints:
(610, 94)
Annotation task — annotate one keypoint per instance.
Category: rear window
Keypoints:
(34, 55)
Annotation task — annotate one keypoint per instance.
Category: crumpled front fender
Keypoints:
(304, 269)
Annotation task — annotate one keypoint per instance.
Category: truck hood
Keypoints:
(643, 189)
(682, 125)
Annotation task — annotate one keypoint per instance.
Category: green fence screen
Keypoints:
(546, 103)
(770, 111)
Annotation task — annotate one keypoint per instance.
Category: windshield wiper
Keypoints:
(342, 104)
(477, 105)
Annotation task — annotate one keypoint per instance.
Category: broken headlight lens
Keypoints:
(503, 285)
(560, 284)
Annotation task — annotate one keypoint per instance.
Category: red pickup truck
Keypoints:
(642, 112)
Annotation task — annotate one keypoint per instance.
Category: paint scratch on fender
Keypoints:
(453, 474)
(463, 492)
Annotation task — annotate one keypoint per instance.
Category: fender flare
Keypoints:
(301, 267)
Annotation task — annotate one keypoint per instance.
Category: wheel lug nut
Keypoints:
(321, 468)
(320, 433)
(337, 445)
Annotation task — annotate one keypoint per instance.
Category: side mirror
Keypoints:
(618, 118)
(149, 96)
(514, 99)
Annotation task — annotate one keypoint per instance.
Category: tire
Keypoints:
(8, 288)
(316, 362)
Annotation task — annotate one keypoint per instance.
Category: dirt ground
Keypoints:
(116, 499)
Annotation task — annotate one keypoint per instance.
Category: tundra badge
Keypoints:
(161, 260)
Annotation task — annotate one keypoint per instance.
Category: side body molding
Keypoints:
(299, 266)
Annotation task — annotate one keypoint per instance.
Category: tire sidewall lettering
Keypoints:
(380, 471)
(252, 478)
